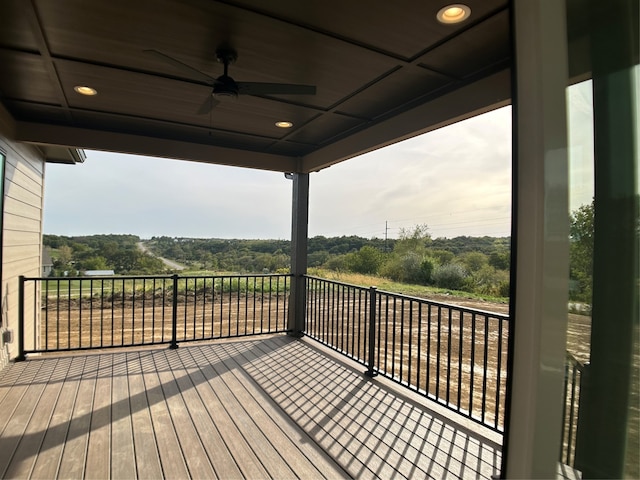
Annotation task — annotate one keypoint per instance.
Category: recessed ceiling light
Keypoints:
(455, 13)
(84, 90)
(284, 124)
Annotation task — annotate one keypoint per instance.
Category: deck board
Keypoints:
(194, 453)
(274, 426)
(122, 449)
(99, 448)
(207, 381)
(173, 465)
(220, 457)
(34, 434)
(48, 460)
(72, 464)
(271, 407)
(146, 451)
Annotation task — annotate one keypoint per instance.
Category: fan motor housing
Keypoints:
(225, 87)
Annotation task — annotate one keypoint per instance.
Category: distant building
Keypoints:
(99, 273)
(47, 262)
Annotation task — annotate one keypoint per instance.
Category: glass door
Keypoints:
(600, 430)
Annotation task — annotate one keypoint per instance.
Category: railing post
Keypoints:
(174, 314)
(20, 356)
(371, 371)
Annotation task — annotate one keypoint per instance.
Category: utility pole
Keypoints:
(386, 231)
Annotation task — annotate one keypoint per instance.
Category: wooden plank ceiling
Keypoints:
(383, 71)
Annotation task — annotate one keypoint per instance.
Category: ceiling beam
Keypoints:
(45, 53)
(7, 123)
(484, 95)
(45, 134)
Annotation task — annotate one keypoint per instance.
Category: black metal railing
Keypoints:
(337, 316)
(101, 312)
(454, 355)
(575, 376)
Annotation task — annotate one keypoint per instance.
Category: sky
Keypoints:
(456, 180)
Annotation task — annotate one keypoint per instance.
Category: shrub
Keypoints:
(408, 267)
(474, 261)
(367, 260)
(489, 281)
(337, 263)
(441, 256)
(450, 275)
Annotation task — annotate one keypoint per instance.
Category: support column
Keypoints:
(532, 440)
(299, 238)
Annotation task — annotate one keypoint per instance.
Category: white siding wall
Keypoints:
(22, 236)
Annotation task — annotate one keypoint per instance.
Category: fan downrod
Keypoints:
(226, 55)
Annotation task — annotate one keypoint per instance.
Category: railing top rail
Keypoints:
(96, 277)
(150, 277)
(499, 316)
(336, 282)
(238, 275)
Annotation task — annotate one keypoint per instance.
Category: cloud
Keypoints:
(456, 179)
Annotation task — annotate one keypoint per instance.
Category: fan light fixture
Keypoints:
(455, 13)
(284, 124)
(84, 90)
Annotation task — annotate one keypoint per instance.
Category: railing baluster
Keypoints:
(185, 297)
(35, 309)
(90, 313)
(79, 316)
(409, 382)
(460, 348)
(174, 314)
(46, 315)
(57, 315)
(485, 367)
(69, 315)
(439, 346)
(449, 338)
(393, 337)
(427, 387)
(371, 369)
(401, 338)
(499, 373)
(472, 361)
(419, 359)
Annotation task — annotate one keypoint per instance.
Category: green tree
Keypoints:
(413, 240)
(500, 260)
(473, 261)
(581, 252)
(93, 263)
(366, 260)
(441, 256)
(65, 255)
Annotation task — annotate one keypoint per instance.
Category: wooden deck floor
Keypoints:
(270, 407)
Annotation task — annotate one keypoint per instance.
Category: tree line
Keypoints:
(473, 264)
(74, 255)
(476, 264)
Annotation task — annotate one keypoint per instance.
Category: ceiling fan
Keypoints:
(226, 87)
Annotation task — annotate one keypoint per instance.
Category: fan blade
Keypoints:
(207, 105)
(183, 66)
(258, 88)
